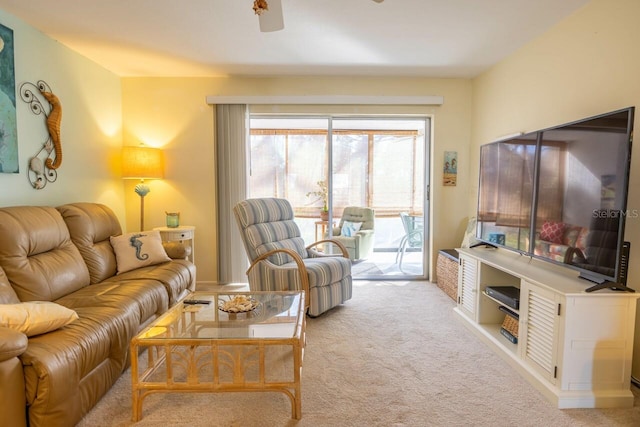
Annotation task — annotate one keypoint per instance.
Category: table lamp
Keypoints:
(142, 163)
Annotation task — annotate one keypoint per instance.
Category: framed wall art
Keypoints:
(8, 127)
(450, 168)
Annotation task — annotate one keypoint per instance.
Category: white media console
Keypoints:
(575, 347)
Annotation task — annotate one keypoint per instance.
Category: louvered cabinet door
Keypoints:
(539, 338)
(468, 287)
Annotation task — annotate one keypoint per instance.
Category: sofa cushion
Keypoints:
(178, 277)
(37, 254)
(552, 231)
(35, 317)
(136, 250)
(326, 270)
(148, 298)
(90, 227)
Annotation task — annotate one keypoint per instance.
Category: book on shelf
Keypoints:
(508, 335)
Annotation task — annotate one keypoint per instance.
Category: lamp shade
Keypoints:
(142, 163)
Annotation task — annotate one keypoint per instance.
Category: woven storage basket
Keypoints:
(447, 274)
(511, 325)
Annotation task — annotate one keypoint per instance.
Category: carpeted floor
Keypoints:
(365, 268)
(394, 355)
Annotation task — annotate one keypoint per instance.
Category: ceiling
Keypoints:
(430, 38)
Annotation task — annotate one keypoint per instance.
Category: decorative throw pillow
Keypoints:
(135, 250)
(349, 229)
(35, 317)
(552, 231)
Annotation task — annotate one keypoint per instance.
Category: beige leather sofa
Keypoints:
(64, 255)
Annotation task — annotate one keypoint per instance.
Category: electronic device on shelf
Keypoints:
(560, 195)
(508, 295)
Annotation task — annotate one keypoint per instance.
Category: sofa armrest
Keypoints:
(12, 343)
(12, 388)
(176, 250)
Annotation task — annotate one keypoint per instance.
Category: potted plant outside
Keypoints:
(322, 195)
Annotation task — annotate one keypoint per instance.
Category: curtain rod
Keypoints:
(327, 100)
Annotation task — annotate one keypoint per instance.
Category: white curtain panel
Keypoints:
(232, 122)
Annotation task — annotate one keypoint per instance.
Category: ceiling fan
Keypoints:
(270, 14)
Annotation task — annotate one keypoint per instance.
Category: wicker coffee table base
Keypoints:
(202, 348)
(196, 367)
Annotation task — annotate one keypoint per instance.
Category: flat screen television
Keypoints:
(560, 195)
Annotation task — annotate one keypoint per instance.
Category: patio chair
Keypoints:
(281, 261)
(355, 231)
(413, 237)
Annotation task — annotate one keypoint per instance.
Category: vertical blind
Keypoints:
(231, 156)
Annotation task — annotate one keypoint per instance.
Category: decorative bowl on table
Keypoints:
(238, 304)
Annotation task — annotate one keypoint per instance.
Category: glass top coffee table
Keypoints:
(223, 341)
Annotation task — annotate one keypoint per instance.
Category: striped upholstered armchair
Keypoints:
(281, 261)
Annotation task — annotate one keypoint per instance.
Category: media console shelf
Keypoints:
(574, 346)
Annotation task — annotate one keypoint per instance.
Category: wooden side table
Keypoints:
(321, 227)
(183, 233)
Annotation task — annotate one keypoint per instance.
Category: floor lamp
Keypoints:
(142, 163)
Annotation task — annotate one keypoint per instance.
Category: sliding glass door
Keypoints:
(379, 163)
(346, 173)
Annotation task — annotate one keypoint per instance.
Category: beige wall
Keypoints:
(91, 124)
(586, 65)
(101, 112)
(171, 113)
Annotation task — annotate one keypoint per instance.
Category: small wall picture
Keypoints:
(450, 175)
(8, 128)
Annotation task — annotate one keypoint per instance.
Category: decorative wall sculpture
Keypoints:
(43, 167)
